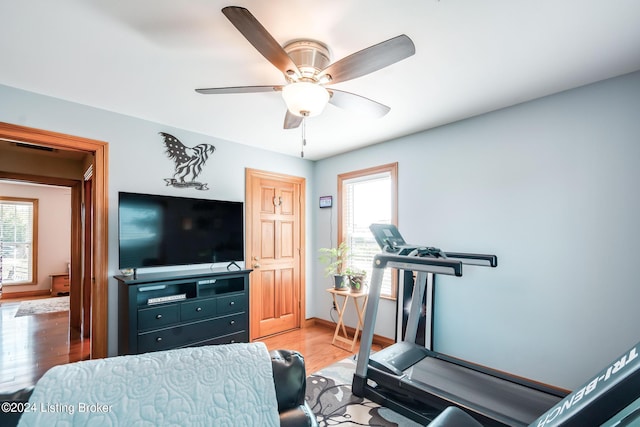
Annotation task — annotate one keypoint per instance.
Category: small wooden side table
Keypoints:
(360, 309)
(59, 284)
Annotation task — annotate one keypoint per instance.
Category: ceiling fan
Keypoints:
(307, 70)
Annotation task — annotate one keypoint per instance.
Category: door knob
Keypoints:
(256, 265)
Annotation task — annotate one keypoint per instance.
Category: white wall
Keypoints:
(137, 162)
(550, 187)
(54, 230)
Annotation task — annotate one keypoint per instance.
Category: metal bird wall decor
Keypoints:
(188, 162)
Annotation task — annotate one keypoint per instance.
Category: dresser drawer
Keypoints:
(192, 333)
(157, 317)
(231, 304)
(199, 309)
(161, 339)
(59, 284)
(242, 336)
(230, 324)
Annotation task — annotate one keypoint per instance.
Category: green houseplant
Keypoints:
(356, 279)
(335, 260)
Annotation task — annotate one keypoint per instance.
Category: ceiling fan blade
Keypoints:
(360, 104)
(238, 89)
(370, 59)
(291, 121)
(260, 38)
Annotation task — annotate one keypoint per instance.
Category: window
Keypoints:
(367, 196)
(18, 240)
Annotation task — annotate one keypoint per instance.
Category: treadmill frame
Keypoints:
(389, 389)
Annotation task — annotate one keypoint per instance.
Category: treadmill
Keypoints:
(412, 378)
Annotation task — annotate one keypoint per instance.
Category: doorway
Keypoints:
(275, 229)
(98, 316)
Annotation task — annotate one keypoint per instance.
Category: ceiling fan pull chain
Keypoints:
(304, 134)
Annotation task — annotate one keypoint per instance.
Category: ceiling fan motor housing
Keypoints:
(310, 56)
(307, 68)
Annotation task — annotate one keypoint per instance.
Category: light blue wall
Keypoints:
(137, 162)
(551, 188)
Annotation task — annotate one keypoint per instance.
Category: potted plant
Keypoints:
(356, 279)
(335, 260)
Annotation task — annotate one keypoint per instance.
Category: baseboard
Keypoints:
(377, 339)
(26, 294)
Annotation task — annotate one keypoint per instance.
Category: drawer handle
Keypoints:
(199, 309)
(232, 303)
(158, 316)
(158, 339)
(233, 322)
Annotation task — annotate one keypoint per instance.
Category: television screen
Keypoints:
(157, 230)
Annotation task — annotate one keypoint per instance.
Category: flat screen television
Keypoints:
(160, 231)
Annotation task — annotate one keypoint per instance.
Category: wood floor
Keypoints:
(31, 345)
(314, 343)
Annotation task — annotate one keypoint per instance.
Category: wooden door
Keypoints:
(275, 248)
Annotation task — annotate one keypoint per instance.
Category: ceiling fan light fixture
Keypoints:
(305, 99)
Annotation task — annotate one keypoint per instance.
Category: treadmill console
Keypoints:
(391, 241)
(388, 237)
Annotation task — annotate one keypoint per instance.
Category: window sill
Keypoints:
(9, 284)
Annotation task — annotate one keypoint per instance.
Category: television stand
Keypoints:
(161, 311)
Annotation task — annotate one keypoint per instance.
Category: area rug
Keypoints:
(44, 305)
(329, 396)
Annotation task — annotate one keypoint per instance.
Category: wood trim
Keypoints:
(25, 294)
(75, 283)
(99, 150)
(47, 138)
(249, 175)
(87, 253)
(48, 180)
(100, 294)
(392, 169)
(34, 237)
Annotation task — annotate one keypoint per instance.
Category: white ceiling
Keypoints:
(144, 58)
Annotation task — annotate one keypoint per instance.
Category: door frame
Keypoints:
(99, 150)
(87, 252)
(249, 232)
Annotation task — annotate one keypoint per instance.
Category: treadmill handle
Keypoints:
(430, 265)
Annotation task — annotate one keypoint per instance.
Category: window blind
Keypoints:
(367, 200)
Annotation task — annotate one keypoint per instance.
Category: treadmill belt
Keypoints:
(481, 392)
